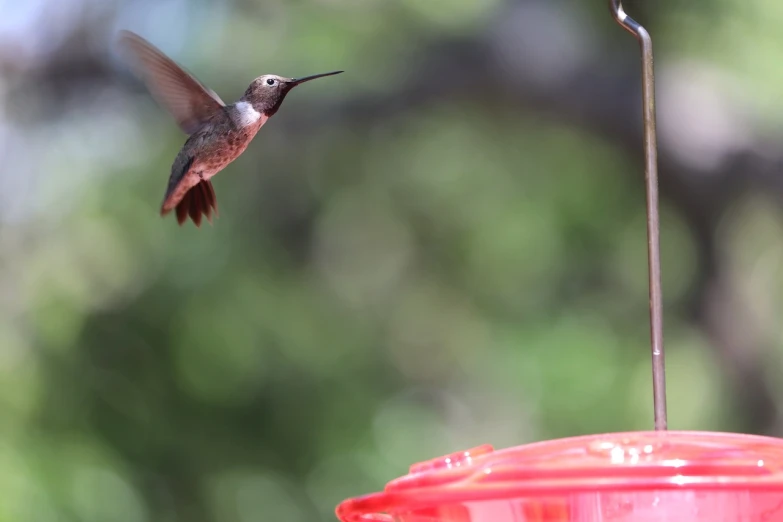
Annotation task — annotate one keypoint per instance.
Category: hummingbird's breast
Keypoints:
(220, 143)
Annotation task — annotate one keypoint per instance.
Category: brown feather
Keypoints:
(212, 199)
(198, 201)
(204, 194)
(182, 209)
(195, 206)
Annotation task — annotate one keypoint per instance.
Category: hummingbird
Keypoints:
(217, 133)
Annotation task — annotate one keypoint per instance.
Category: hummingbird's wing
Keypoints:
(190, 102)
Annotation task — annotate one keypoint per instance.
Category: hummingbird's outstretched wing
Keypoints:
(190, 102)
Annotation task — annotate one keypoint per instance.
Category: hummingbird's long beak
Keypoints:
(296, 81)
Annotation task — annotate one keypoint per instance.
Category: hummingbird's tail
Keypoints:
(198, 201)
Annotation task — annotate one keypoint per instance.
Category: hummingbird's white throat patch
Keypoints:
(247, 115)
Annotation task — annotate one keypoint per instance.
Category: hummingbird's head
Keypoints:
(267, 92)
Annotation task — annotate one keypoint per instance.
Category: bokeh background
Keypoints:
(443, 247)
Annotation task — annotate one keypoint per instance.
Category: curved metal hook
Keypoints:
(653, 221)
(628, 23)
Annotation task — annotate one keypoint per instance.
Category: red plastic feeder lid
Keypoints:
(635, 461)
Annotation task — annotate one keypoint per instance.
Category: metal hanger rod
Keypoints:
(653, 221)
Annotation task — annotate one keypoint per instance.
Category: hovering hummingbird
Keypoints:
(218, 133)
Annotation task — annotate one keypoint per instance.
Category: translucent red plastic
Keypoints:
(639, 476)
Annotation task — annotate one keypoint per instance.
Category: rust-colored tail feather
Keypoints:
(198, 201)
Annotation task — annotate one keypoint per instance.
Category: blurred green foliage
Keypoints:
(368, 298)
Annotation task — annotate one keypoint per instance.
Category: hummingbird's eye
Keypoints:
(270, 81)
